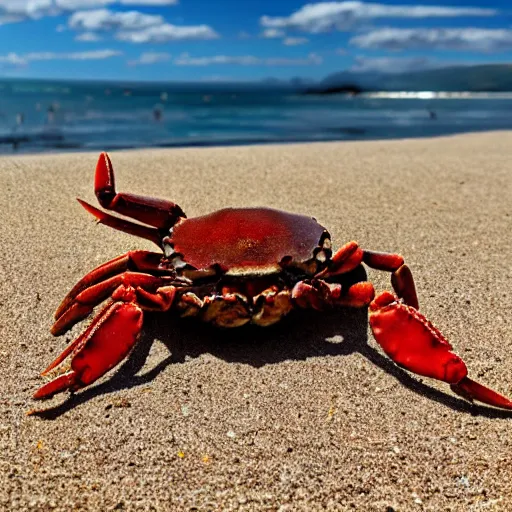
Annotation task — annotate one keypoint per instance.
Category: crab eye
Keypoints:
(321, 256)
(168, 250)
(177, 262)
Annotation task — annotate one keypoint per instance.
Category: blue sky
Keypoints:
(206, 40)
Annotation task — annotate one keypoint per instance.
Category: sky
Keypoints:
(244, 40)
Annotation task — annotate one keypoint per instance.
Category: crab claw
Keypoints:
(412, 342)
(105, 343)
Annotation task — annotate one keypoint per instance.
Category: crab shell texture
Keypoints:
(243, 253)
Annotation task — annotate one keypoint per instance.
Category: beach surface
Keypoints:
(306, 415)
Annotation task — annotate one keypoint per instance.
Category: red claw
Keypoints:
(413, 342)
(158, 213)
(471, 389)
(126, 226)
(61, 383)
(106, 342)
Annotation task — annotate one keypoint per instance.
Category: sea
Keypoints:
(46, 116)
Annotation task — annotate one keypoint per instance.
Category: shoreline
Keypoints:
(71, 148)
(305, 415)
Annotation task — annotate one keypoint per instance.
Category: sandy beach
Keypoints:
(306, 415)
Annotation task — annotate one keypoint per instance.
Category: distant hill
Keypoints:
(346, 88)
(481, 78)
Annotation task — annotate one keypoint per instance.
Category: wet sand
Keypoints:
(306, 415)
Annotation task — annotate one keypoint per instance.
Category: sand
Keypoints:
(307, 415)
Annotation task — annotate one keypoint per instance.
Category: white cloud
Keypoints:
(150, 58)
(137, 27)
(103, 19)
(21, 60)
(295, 41)
(465, 39)
(148, 2)
(12, 59)
(33, 9)
(28, 8)
(324, 16)
(5, 19)
(272, 33)
(246, 60)
(89, 37)
(395, 64)
(186, 60)
(74, 5)
(92, 55)
(167, 32)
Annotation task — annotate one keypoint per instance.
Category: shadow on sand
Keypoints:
(299, 336)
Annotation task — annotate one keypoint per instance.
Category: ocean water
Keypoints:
(42, 116)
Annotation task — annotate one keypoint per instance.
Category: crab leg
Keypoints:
(349, 256)
(108, 340)
(344, 260)
(159, 213)
(412, 342)
(142, 261)
(320, 295)
(83, 304)
(125, 226)
(401, 276)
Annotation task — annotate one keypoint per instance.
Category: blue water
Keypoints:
(47, 116)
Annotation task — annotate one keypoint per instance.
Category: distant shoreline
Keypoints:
(6, 143)
(64, 116)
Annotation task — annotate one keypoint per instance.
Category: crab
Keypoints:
(233, 267)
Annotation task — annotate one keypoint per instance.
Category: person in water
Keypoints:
(157, 113)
